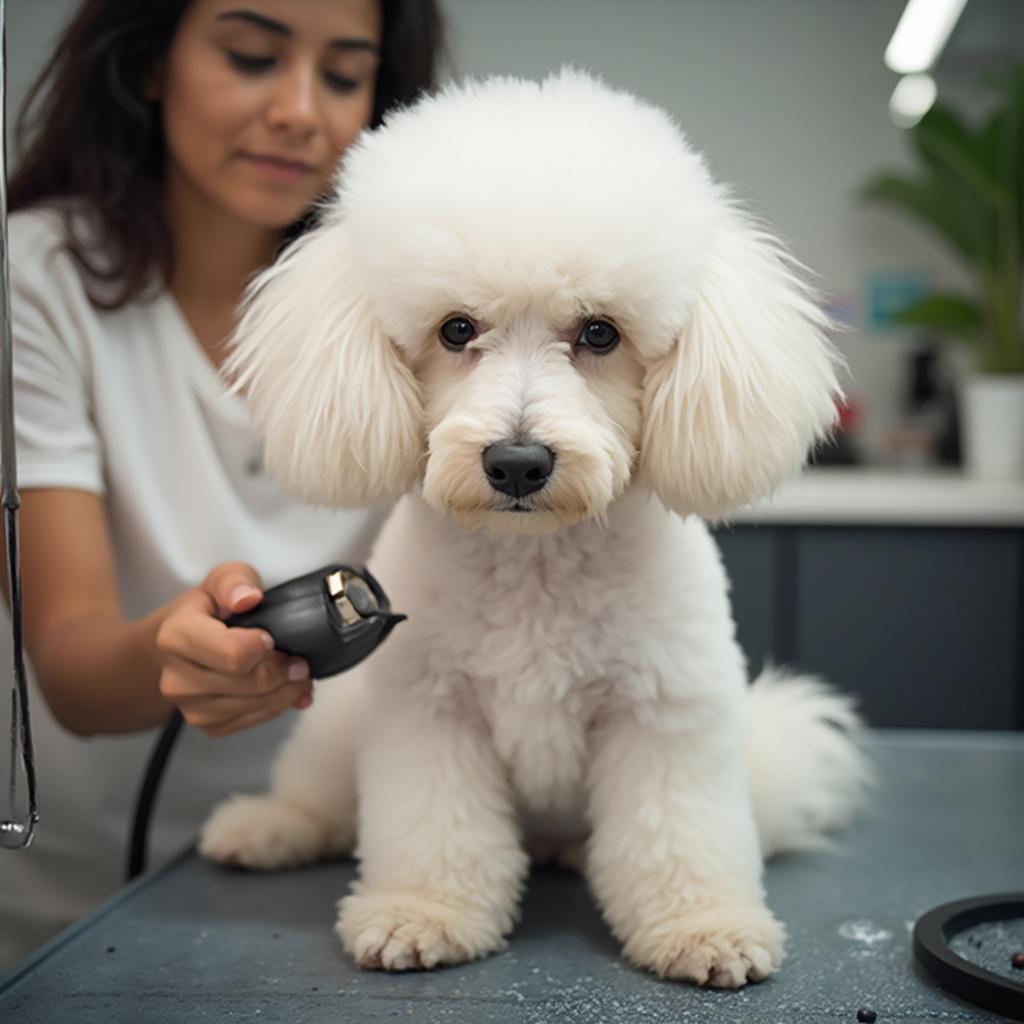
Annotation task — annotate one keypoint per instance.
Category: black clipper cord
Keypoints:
(333, 617)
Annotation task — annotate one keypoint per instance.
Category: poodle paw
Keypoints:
(265, 833)
(724, 947)
(406, 931)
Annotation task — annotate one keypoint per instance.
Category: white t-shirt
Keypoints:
(126, 405)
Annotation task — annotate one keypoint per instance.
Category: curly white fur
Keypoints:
(569, 666)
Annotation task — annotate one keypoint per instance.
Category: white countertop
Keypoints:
(883, 497)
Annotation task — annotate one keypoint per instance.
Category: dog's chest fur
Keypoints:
(534, 663)
(529, 636)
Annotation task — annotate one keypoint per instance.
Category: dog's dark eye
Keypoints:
(599, 336)
(457, 332)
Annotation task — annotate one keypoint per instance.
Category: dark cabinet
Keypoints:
(925, 626)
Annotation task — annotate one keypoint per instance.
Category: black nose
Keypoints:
(518, 469)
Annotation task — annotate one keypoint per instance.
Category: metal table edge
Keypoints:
(16, 974)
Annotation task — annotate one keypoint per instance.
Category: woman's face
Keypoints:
(261, 97)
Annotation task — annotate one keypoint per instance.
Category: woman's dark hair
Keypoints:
(87, 133)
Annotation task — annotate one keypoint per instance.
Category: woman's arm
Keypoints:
(102, 673)
(98, 672)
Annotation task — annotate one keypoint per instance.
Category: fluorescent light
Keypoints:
(921, 34)
(911, 99)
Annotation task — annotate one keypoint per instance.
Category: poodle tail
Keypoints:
(807, 774)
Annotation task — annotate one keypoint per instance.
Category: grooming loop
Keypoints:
(932, 935)
(15, 831)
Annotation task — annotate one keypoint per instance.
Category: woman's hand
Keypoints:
(226, 679)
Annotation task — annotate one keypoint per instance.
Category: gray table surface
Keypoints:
(195, 943)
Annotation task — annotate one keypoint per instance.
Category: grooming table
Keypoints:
(193, 942)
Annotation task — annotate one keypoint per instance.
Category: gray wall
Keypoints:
(32, 28)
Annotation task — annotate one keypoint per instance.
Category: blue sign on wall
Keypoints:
(888, 293)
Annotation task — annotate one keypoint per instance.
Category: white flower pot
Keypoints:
(992, 426)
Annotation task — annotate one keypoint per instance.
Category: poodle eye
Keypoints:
(599, 336)
(457, 332)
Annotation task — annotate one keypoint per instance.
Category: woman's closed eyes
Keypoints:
(258, 64)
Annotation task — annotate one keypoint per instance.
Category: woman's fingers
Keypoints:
(234, 587)
(193, 635)
(184, 678)
(226, 678)
(219, 716)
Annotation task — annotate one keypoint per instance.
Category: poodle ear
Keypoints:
(733, 407)
(339, 411)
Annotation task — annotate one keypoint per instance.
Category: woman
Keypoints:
(175, 148)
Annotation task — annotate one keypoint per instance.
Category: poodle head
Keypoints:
(524, 298)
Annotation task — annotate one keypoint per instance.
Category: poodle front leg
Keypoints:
(673, 856)
(442, 864)
(310, 811)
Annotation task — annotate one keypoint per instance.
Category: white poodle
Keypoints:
(531, 314)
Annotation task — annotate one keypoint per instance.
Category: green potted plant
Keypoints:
(969, 190)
